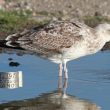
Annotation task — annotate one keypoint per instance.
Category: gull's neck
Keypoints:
(102, 34)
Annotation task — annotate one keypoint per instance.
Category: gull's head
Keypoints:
(104, 31)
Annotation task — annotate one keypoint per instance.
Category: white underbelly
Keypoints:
(70, 54)
(74, 53)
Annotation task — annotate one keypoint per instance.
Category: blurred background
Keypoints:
(16, 15)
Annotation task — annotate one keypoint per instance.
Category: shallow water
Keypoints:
(89, 82)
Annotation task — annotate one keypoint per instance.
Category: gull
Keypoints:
(61, 41)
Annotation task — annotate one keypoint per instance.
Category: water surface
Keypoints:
(89, 80)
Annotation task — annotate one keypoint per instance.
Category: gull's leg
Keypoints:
(60, 84)
(65, 88)
(65, 71)
(60, 69)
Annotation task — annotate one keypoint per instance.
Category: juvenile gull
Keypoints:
(61, 41)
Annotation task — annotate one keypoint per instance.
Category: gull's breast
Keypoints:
(75, 52)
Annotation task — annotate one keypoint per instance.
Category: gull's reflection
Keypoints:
(55, 100)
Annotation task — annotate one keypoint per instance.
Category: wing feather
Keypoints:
(50, 38)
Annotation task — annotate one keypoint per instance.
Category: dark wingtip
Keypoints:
(3, 45)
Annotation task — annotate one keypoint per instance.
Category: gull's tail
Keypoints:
(19, 40)
(11, 42)
(14, 41)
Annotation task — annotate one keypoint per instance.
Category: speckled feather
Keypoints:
(55, 36)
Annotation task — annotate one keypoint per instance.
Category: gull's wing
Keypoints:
(54, 37)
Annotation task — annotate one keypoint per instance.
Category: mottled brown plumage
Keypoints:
(49, 39)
